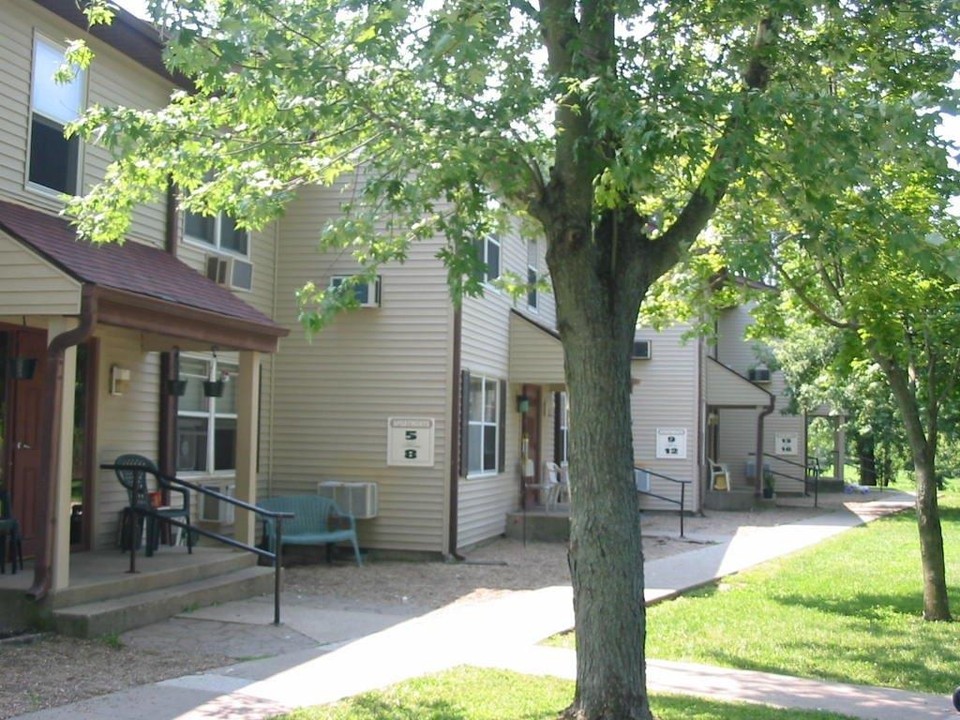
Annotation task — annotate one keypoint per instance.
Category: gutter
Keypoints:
(758, 481)
(455, 414)
(47, 515)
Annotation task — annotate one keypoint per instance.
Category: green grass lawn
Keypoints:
(847, 610)
(479, 694)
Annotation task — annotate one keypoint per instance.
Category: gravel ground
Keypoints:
(45, 671)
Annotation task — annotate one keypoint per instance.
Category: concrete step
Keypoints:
(166, 569)
(116, 615)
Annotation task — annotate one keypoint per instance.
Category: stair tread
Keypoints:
(162, 594)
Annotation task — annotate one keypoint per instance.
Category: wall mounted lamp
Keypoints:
(119, 379)
(523, 404)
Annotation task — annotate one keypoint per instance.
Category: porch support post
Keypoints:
(248, 413)
(839, 449)
(63, 480)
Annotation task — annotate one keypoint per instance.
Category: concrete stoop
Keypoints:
(128, 609)
(538, 526)
(736, 499)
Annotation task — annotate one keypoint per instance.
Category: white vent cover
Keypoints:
(357, 499)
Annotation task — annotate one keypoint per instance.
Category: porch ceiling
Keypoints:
(144, 288)
(728, 388)
(536, 354)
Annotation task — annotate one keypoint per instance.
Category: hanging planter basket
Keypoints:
(177, 387)
(213, 388)
(22, 368)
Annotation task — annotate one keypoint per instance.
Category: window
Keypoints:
(54, 160)
(533, 273)
(207, 426)
(489, 251)
(484, 426)
(219, 232)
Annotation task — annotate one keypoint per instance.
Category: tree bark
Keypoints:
(866, 458)
(598, 294)
(936, 604)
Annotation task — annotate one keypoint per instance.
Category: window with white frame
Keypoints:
(483, 435)
(533, 273)
(54, 161)
(219, 231)
(207, 426)
(489, 250)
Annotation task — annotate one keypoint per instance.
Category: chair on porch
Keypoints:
(132, 472)
(563, 492)
(719, 476)
(550, 487)
(9, 532)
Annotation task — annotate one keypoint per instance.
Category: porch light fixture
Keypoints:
(523, 404)
(119, 379)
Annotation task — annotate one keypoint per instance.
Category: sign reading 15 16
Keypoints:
(410, 441)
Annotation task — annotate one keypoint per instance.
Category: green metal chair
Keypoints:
(132, 471)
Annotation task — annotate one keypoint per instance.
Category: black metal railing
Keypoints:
(141, 507)
(811, 473)
(683, 488)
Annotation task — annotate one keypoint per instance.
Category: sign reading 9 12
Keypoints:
(410, 442)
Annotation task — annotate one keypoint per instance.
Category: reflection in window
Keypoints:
(207, 426)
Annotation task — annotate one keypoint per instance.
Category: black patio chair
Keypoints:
(132, 472)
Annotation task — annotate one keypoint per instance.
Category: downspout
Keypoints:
(455, 414)
(704, 414)
(50, 441)
(758, 481)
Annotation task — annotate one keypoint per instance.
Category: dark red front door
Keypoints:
(22, 432)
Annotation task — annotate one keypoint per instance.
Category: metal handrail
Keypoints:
(146, 511)
(683, 488)
(812, 466)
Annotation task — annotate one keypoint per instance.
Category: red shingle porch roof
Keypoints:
(136, 272)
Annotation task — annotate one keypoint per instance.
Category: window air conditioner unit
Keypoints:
(214, 509)
(759, 375)
(642, 349)
(358, 499)
(230, 272)
(641, 478)
(367, 294)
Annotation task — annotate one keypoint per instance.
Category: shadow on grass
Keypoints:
(376, 706)
(864, 607)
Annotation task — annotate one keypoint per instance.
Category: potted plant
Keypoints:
(767, 484)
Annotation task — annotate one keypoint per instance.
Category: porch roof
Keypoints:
(728, 388)
(536, 353)
(144, 288)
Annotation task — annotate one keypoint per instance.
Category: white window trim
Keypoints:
(215, 248)
(210, 415)
(473, 474)
(84, 101)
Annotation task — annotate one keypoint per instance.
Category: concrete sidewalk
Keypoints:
(344, 652)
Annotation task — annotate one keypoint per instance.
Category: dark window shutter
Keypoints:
(502, 429)
(464, 421)
(557, 435)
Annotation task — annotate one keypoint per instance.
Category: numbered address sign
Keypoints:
(787, 443)
(672, 443)
(410, 442)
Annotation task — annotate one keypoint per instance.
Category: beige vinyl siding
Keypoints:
(536, 356)
(29, 285)
(125, 424)
(667, 397)
(112, 79)
(333, 396)
(484, 501)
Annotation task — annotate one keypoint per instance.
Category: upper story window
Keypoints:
(533, 273)
(489, 249)
(54, 161)
(219, 232)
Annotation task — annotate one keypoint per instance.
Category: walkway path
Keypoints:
(498, 633)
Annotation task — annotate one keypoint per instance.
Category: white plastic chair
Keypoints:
(551, 486)
(563, 492)
(719, 476)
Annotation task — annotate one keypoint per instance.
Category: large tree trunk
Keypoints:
(936, 604)
(597, 303)
(866, 458)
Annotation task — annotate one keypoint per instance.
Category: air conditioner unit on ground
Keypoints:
(230, 272)
(642, 349)
(759, 375)
(367, 294)
(358, 499)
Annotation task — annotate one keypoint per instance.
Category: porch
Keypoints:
(103, 597)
